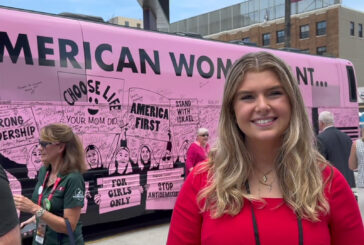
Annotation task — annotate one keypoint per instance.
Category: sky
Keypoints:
(179, 9)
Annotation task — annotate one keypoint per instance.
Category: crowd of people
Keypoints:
(265, 169)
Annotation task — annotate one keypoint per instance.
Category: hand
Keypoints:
(24, 204)
(28, 221)
(97, 199)
(88, 194)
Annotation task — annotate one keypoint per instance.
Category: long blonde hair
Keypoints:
(298, 164)
(73, 154)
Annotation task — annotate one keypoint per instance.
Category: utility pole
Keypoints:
(287, 22)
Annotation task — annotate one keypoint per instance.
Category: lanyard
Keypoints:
(255, 226)
(55, 185)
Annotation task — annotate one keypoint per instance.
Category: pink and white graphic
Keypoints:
(119, 192)
(149, 114)
(17, 128)
(34, 162)
(92, 103)
(184, 112)
(163, 187)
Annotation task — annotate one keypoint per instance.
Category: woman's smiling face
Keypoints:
(262, 107)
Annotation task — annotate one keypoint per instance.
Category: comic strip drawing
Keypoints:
(93, 157)
(96, 170)
(35, 162)
(166, 160)
(122, 160)
(145, 162)
(129, 148)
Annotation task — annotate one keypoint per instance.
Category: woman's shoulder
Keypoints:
(43, 170)
(193, 145)
(330, 173)
(334, 180)
(75, 175)
(199, 175)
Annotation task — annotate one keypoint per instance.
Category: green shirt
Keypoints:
(70, 193)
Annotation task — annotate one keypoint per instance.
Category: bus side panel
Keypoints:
(136, 99)
(30, 95)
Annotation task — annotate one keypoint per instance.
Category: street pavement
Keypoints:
(151, 235)
(157, 234)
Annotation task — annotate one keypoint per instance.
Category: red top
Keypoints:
(277, 223)
(195, 154)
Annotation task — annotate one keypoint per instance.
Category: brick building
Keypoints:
(317, 27)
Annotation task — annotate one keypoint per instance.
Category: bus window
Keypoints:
(352, 84)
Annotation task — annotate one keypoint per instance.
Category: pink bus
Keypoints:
(135, 97)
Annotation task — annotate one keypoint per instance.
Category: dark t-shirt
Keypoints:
(69, 194)
(8, 215)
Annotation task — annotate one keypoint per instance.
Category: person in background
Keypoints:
(198, 150)
(9, 225)
(356, 159)
(60, 191)
(335, 146)
(265, 182)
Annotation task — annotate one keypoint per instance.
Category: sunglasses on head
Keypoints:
(44, 144)
(204, 135)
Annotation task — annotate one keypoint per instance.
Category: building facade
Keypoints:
(317, 27)
(123, 21)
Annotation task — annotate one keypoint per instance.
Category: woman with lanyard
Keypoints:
(59, 194)
(265, 182)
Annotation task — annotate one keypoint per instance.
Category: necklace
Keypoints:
(270, 185)
(264, 180)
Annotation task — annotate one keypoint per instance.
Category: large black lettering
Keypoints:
(301, 75)
(141, 109)
(43, 51)
(22, 43)
(125, 53)
(87, 51)
(220, 66)
(203, 74)
(154, 65)
(98, 56)
(64, 55)
(182, 63)
(311, 70)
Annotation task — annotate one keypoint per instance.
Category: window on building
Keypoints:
(280, 36)
(246, 39)
(360, 31)
(321, 28)
(352, 28)
(305, 51)
(321, 50)
(304, 31)
(138, 25)
(126, 23)
(266, 39)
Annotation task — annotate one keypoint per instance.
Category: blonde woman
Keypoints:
(265, 182)
(59, 193)
(356, 159)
